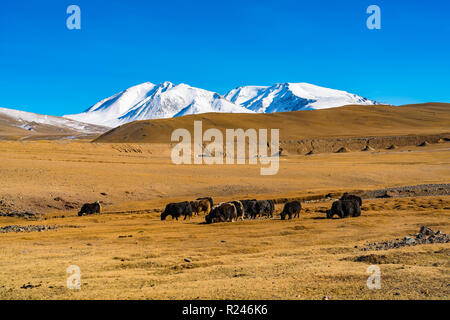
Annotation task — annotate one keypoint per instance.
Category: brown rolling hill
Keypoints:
(345, 122)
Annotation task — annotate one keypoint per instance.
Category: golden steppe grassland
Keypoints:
(127, 252)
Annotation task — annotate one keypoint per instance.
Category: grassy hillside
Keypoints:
(348, 121)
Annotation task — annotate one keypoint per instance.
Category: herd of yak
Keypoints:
(347, 206)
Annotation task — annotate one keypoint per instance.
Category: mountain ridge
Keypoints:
(20, 124)
(287, 96)
(167, 100)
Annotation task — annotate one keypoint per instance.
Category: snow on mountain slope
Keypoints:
(167, 100)
(293, 97)
(240, 95)
(31, 121)
(106, 111)
(148, 101)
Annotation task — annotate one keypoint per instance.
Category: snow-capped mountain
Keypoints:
(34, 122)
(150, 101)
(167, 100)
(240, 95)
(292, 97)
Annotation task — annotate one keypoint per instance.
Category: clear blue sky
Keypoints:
(218, 45)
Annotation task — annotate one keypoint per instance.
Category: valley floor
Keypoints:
(129, 253)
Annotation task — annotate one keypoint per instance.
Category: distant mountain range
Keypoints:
(167, 100)
(27, 124)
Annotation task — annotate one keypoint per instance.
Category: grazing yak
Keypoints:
(290, 209)
(211, 203)
(254, 208)
(239, 209)
(224, 212)
(249, 207)
(177, 210)
(347, 196)
(265, 208)
(344, 208)
(199, 206)
(90, 208)
(272, 207)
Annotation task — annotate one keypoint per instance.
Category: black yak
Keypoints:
(290, 209)
(249, 208)
(90, 208)
(176, 210)
(344, 208)
(239, 208)
(265, 208)
(224, 212)
(347, 196)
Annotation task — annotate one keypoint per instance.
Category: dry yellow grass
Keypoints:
(306, 258)
(302, 259)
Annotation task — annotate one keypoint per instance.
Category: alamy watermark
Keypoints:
(74, 20)
(74, 280)
(374, 280)
(218, 152)
(374, 20)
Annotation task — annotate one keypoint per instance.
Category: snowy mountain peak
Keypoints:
(292, 97)
(120, 102)
(166, 85)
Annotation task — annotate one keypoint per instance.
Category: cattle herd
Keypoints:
(347, 206)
